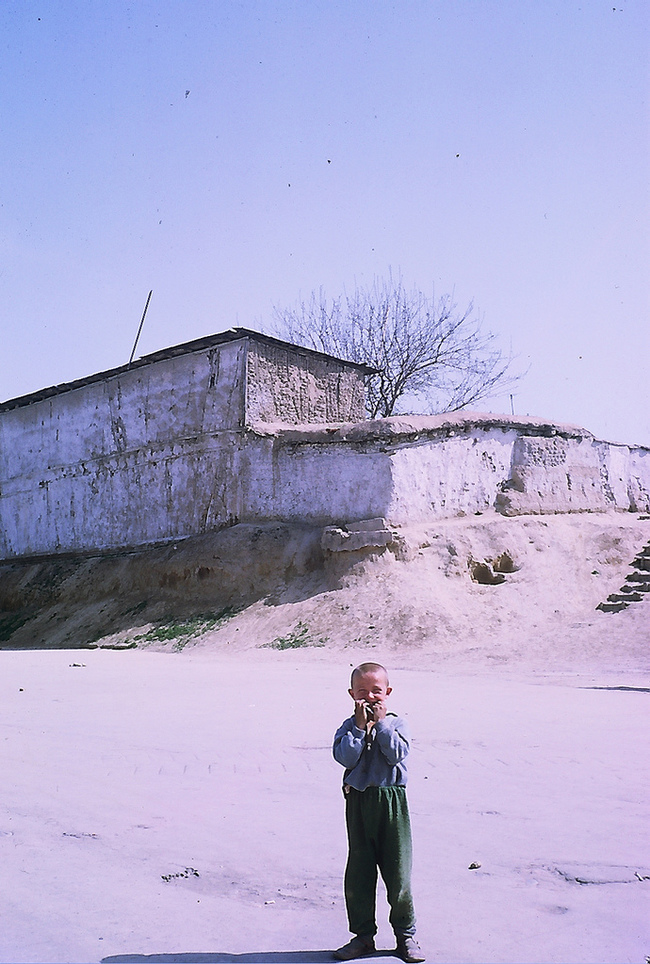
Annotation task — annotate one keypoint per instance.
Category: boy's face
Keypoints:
(370, 688)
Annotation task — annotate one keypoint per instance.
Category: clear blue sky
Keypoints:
(236, 155)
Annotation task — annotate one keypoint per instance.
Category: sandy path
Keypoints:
(138, 766)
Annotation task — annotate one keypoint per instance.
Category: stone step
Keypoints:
(624, 597)
(368, 535)
(608, 607)
(642, 562)
(636, 587)
(638, 577)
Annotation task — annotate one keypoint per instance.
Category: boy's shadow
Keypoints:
(263, 957)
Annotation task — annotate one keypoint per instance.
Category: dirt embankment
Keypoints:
(76, 600)
(425, 595)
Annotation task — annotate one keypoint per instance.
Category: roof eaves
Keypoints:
(185, 348)
(301, 350)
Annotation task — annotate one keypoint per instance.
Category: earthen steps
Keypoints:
(637, 583)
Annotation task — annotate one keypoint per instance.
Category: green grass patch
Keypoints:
(181, 631)
(296, 639)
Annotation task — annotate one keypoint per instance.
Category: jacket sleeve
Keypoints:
(393, 738)
(349, 742)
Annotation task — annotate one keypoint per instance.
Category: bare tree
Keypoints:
(424, 350)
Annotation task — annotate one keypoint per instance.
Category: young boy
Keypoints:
(373, 745)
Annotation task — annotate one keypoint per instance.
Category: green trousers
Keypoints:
(379, 838)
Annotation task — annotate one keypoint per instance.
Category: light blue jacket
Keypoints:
(378, 761)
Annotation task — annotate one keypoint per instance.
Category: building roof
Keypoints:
(198, 344)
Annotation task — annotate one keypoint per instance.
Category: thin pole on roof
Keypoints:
(137, 337)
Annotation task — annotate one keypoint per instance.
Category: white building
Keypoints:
(240, 427)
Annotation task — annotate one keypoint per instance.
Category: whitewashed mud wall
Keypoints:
(574, 473)
(418, 469)
(285, 386)
(313, 482)
(120, 461)
(155, 452)
(168, 451)
(625, 471)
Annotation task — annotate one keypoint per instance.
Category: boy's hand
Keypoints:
(379, 711)
(360, 717)
(367, 714)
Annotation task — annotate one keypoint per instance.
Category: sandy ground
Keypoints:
(179, 801)
(186, 807)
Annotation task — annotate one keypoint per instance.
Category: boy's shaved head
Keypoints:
(367, 668)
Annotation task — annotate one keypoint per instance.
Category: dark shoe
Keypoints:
(357, 947)
(409, 950)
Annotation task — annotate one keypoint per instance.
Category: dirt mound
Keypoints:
(425, 596)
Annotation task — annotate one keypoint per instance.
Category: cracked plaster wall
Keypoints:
(122, 461)
(413, 477)
(160, 451)
(289, 386)
(313, 482)
(574, 474)
(449, 476)
(441, 467)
